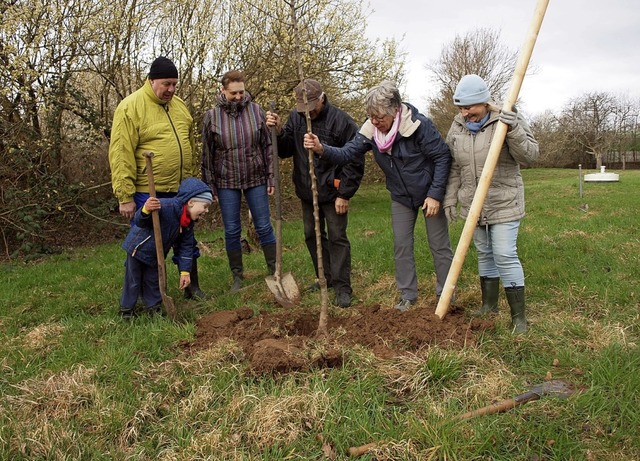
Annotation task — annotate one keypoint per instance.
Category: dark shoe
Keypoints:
(316, 286)
(343, 299)
(490, 287)
(154, 310)
(127, 314)
(193, 291)
(270, 257)
(516, 299)
(404, 304)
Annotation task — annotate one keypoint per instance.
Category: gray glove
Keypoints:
(509, 118)
(451, 214)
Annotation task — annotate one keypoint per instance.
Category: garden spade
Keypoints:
(554, 388)
(157, 233)
(283, 286)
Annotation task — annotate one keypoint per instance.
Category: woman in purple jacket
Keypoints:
(237, 160)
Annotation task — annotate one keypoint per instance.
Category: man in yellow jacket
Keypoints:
(153, 119)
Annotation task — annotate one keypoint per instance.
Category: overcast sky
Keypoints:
(583, 45)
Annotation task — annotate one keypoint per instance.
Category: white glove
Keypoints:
(451, 214)
(509, 118)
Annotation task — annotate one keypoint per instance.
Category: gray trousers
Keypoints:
(403, 220)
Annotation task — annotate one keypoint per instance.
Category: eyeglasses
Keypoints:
(377, 118)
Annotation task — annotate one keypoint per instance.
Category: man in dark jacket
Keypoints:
(336, 184)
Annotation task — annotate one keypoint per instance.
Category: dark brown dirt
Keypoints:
(286, 340)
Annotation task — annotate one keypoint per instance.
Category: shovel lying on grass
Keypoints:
(554, 388)
(283, 286)
(157, 233)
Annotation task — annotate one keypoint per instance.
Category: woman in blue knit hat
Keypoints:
(496, 235)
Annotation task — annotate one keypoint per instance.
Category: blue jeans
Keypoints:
(258, 202)
(498, 253)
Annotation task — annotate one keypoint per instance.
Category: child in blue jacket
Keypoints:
(177, 217)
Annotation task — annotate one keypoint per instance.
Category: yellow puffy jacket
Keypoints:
(143, 122)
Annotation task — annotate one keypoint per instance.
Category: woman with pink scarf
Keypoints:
(416, 162)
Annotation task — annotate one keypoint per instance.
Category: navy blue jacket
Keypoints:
(140, 242)
(417, 166)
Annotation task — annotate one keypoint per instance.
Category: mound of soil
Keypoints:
(286, 340)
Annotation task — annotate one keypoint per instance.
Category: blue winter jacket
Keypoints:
(140, 242)
(417, 166)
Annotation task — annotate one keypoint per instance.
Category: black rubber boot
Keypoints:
(270, 257)
(235, 263)
(193, 291)
(490, 287)
(516, 299)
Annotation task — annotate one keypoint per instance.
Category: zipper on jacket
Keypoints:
(136, 247)
(166, 109)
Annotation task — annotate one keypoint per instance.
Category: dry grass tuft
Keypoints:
(40, 437)
(61, 396)
(42, 337)
(402, 449)
(267, 420)
(44, 411)
(222, 354)
(145, 417)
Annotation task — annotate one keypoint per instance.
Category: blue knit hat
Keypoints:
(206, 197)
(471, 90)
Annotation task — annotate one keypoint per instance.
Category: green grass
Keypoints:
(77, 383)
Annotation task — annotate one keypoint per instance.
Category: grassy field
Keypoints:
(76, 383)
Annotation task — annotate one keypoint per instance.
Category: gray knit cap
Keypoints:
(206, 197)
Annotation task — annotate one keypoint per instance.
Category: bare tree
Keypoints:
(552, 141)
(477, 52)
(591, 120)
(66, 64)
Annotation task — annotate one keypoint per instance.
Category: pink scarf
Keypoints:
(385, 141)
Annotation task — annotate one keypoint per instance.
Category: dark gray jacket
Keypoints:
(334, 127)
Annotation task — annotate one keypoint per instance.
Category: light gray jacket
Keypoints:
(505, 197)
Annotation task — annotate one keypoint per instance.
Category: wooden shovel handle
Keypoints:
(276, 182)
(501, 406)
(490, 163)
(354, 452)
(157, 234)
